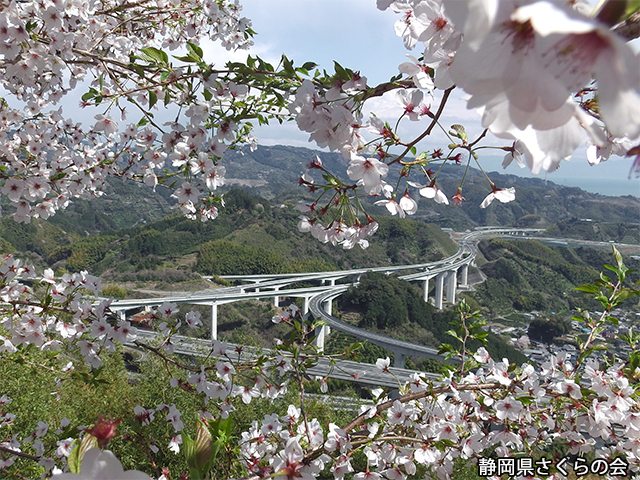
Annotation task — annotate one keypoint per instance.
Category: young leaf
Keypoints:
(194, 50)
(154, 55)
(153, 99)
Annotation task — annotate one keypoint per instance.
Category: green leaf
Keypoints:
(194, 50)
(618, 257)
(588, 288)
(632, 7)
(454, 334)
(186, 58)
(526, 399)
(634, 359)
(288, 66)
(445, 348)
(154, 55)
(90, 94)
(341, 72)
(312, 65)
(153, 99)
(458, 131)
(611, 320)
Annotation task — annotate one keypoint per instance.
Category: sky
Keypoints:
(359, 36)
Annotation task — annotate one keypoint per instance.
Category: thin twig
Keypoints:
(431, 126)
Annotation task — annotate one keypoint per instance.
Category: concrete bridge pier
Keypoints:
(321, 333)
(305, 306)
(327, 306)
(439, 285)
(214, 321)
(276, 299)
(398, 359)
(425, 290)
(452, 284)
(122, 315)
(464, 275)
(327, 309)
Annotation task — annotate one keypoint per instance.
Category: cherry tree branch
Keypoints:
(630, 28)
(427, 132)
(358, 421)
(19, 454)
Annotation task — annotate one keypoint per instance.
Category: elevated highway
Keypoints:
(317, 300)
(363, 373)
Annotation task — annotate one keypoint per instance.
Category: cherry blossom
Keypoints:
(417, 72)
(369, 170)
(431, 192)
(102, 465)
(392, 206)
(580, 47)
(411, 101)
(503, 195)
(408, 204)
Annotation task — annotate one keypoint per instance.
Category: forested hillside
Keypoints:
(250, 236)
(526, 275)
(538, 202)
(271, 172)
(396, 308)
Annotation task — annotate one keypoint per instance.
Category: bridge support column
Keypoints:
(276, 299)
(464, 275)
(321, 333)
(122, 315)
(425, 290)
(147, 308)
(305, 305)
(214, 321)
(327, 309)
(452, 284)
(327, 306)
(398, 360)
(439, 285)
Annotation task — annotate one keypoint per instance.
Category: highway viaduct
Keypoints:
(318, 299)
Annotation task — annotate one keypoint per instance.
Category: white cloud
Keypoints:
(215, 53)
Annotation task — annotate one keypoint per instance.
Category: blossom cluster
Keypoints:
(49, 49)
(515, 411)
(533, 90)
(521, 63)
(544, 76)
(485, 404)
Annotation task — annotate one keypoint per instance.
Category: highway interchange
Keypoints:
(317, 301)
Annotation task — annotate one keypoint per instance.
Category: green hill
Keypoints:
(270, 172)
(250, 236)
(526, 275)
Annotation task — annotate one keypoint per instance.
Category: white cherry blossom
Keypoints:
(503, 195)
